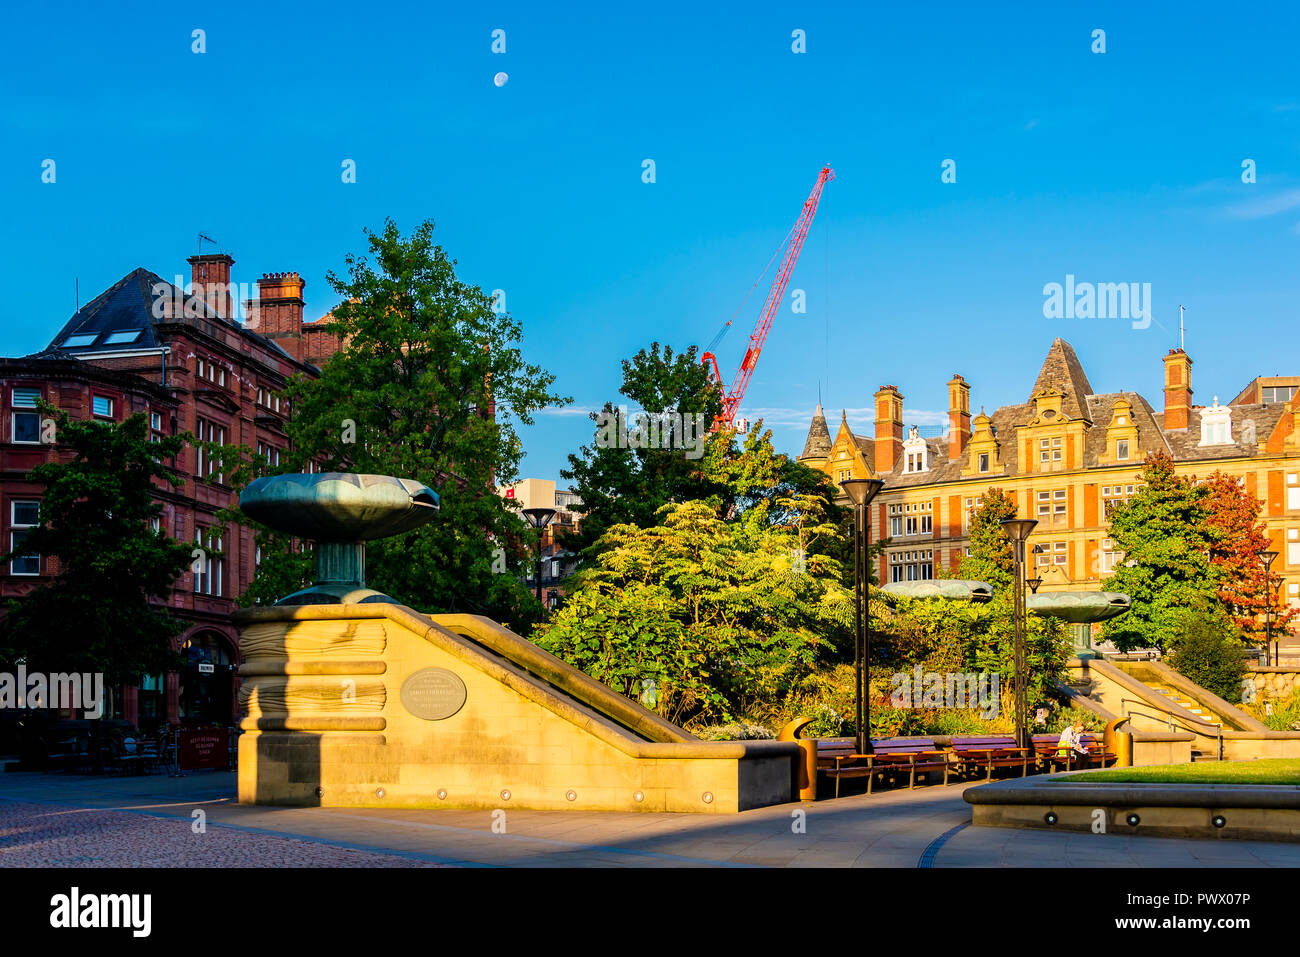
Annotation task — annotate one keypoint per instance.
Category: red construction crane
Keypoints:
(792, 244)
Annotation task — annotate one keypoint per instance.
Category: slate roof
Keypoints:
(123, 308)
(819, 436)
(1185, 443)
(1062, 371)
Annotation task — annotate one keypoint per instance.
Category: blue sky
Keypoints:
(1123, 166)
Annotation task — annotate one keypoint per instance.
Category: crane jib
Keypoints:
(731, 399)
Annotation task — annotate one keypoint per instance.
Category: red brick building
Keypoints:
(189, 364)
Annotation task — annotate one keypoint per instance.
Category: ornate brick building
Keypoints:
(1069, 455)
(188, 364)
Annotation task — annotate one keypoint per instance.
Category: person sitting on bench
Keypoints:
(1070, 744)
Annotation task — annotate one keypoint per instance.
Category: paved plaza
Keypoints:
(84, 821)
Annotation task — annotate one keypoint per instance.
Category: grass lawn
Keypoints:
(1270, 771)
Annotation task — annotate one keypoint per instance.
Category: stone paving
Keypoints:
(80, 821)
(46, 835)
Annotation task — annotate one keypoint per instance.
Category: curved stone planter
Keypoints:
(1264, 812)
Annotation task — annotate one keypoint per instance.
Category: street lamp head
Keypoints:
(862, 491)
(1268, 558)
(1033, 584)
(1018, 529)
(539, 517)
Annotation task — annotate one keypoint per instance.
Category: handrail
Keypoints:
(1218, 728)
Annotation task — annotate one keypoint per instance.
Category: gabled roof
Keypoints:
(1101, 408)
(867, 446)
(1063, 371)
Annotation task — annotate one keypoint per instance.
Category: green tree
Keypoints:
(105, 607)
(704, 620)
(992, 559)
(1208, 649)
(620, 485)
(1165, 538)
(430, 384)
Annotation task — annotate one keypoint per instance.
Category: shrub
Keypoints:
(1285, 716)
(740, 731)
(827, 696)
(1207, 650)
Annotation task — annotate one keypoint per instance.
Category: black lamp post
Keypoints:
(860, 493)
(539, 518)
(1268, 558)
(1018, 530)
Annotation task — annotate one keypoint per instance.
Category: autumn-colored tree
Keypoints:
(1237, 538)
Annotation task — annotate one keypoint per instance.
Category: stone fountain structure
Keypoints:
(353, 699)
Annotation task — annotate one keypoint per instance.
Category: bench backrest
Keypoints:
(981, 743)
(835, 747)
(903, 745)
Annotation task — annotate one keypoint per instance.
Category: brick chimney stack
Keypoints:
(277, 311)
(1178, 389)
(889, 427)
(210, 279)
(958, 416)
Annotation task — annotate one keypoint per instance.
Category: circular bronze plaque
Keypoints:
(433, 694)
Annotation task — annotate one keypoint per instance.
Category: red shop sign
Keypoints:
(203, 748)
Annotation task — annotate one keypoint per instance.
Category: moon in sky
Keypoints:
(500, 79)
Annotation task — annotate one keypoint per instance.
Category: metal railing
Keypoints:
(1171, 718)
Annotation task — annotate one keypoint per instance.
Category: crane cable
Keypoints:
(727, 325)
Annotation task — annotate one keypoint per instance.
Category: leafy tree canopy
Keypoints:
(992, 559)
(104, 610)
(1238, 539)
(732, 471)
(702, 619)
(430, 384)
(1164, 534)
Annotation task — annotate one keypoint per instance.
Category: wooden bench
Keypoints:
(1048, 752)
(891, 756)
(989, 752)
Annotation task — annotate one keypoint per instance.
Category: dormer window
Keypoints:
(915, 453)
(984, 462)
(1216, 424)
(1121, 449)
